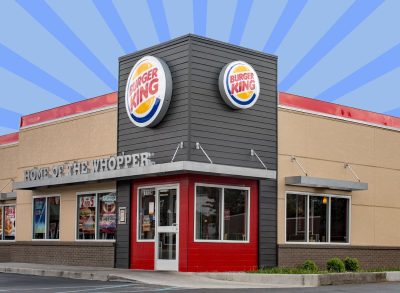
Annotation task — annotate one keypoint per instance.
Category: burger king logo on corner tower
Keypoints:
(239, 85)
(148, 91)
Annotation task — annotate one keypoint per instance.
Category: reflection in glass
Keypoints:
(167, 206)
(167, 246)
(208, 205)
(235, 216)
(146, 213)
(339, 220)
(296, 217)
(53, 212)
(39, 218)
(107, 215)
(318, 207)
(87, 216)
(9, 223)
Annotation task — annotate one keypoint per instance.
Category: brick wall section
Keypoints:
(60, 253)
(5, 252)
(369, 256)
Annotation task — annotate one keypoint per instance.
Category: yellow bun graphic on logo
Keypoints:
(148, 91)
(239, 85)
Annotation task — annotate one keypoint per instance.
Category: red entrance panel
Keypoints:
(198, 256)
(220, 256)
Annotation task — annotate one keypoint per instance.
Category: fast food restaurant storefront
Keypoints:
(192, 170)
(213, 147)
(179, 171)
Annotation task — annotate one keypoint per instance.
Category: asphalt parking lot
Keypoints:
(23, 283)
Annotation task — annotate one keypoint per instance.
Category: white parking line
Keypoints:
(97, 288)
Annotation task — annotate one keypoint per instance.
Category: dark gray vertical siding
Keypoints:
(226, 134)
(122, 245)
(163, 138)
(267, 226)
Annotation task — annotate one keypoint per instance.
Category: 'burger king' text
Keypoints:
(143, 87)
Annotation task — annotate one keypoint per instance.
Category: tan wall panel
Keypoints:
(387, 191)
(24, 222)
(77, 138)
(362, 225)
(387, 229)
(24, 216)
(387, 148)
(281, 221)
(9, 164)
(292, 134)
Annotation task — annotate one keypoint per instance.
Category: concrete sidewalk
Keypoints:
(173, 279)
(199, 280)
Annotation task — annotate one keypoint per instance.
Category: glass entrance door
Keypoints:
(167, 229)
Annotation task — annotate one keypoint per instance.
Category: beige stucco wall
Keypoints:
(322, 145)
(78, 138)
(8, 169)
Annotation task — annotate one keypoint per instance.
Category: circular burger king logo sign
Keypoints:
(239, 85)
(148, 91)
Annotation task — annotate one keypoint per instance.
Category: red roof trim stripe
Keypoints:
(9, 138)
(304, 103)
(70, 109)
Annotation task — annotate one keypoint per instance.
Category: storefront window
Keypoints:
(97, 216)
(53, 212)
(339, 220)
(221, 213)
(146, 214)
(39, 218)
(7, 222)
(46, 217)
(296, 217)
(235, 220)
(107, 215)
(318, 230)
(325, 218)
(208, 210)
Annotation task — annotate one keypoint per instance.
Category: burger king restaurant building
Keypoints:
(197, 163)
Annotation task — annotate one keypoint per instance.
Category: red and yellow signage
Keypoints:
(239, 85)
(148, 91)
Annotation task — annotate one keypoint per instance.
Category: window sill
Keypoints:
(316, 243)
(221, 241)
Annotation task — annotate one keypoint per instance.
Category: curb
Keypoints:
(97, 276)
(295, 280)
(307, 280)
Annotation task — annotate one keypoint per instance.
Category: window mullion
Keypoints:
(96, 217)
(329, 220)
(307, 217)
(46, 218)
(222, 214)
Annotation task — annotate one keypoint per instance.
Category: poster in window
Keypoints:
(146, 226)
(107, 215)
(87, 213)
(39, 215)
(9, 221)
